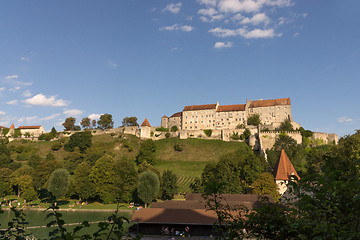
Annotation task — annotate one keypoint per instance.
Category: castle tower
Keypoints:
(11, 131)
(165, 122)
(145, 129)
(284, 171)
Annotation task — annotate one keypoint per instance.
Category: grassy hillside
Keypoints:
(189, 162)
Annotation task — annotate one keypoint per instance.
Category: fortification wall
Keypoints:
(326, 138)
(268, 138)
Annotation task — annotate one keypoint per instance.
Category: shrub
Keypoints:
(167, 135)
(178, 147)
(56, 147)
(151, 134)
(162, 129)
(240, 126)
(127, 145)
(286, 126)
(245, 134)
(254, 119)
(17, 133)
(5, 131)
(46, 136)
(208, 132)
(174, 129)
(235, 136)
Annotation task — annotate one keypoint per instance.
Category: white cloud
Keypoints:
(296, 34)
(94, 116)
(42, 100)
(112, 64)
(27, 93)
(25, 59)
(4, 123)
(27, 119)
(52, 116)
(174, 49)
(173, 7)
(256, 33)
(73, 112)
(14, 89)
(15, 76)
(207, 11)
(2, 89)
(12, 102)
(189, 18)
(223, 45)
(177, 27)
(250, 6)
(207, 2)
(257, 19)
(345, 120)
(2, 113)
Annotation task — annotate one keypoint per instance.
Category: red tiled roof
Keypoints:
(229, 108)
(284, 168)
(145, 123)
(12, 126)
(1, 127)
(29, 127)
(199, 107)
(271, 102)
(164, 116)
(178, 114)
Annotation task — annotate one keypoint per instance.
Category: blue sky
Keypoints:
(149, 58)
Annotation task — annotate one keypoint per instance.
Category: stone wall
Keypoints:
(268, 138)
(325, 137)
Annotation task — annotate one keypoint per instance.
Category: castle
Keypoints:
(214, 116)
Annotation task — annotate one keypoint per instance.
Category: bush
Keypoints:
(174, 129)
(178, 147)
(56, 147)
(151, 134)
(127, 145)
(208, 132)
(240, 126)
(254, 119)
(46, 136)
(162, 129)
(245, 134)
(235, 136)
(285, 126)
(112, 134)
(5, 131)
(167, 135)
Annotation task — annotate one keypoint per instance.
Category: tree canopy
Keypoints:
(69, 124)
(254, 119)
(82, 140)
(85, 123)
(130, 121)
(59, 182)
(105, 121)
(148, 187)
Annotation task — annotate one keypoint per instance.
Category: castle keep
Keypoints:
(215, 116)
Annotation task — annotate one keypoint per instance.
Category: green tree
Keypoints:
(82, 140)
(254, 119)
(148, 187)
(85, 123)
(5, 158)
(72, 160)
(130, 121)
(54, 132)
(237, 170)
(43, 172)
(69, 124)
(174, 129)
(286, 126)
(22, 179)
(93, 124)
(168, 185)
(105, 121)
(265, 184)
(83, 187)
(146, 152)
(245, 134)
(59, 182)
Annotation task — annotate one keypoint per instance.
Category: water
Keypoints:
(37, 218)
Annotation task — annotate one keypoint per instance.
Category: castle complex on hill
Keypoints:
(215, 116)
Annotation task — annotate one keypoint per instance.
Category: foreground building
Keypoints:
(215, 116)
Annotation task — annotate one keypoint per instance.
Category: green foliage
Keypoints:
(178, 147)
(83, 187)
(151, 134)
(105, 121)
(245, 134)
(59, 182)
(127, 145)
(56, 146)
(285, 126)
(69, 124)
(17, 133)
(237, 170)
(235, 136)
(148, 187)
(5, 131)
(254, 119)
(208, 132)
(167, 135)
(29, 194)
(162, 129)
(174, 129)
(265, 184)
(82, 140)
(305, 133)
(130, 121)
(168, 185)
(77, 128)
(240, 126)
(146, 152)
(85, 123)
(46, 137)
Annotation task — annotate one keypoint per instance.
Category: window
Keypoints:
(195, 126)
(209, 120)
(190, 127)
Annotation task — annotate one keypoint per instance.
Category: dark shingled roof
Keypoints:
(178, 114)
(229, 108)
(269, 103)
(145, 123)
(199, 107)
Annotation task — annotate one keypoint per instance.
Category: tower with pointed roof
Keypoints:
(11, 131)
(145, 129)
(283, 172)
